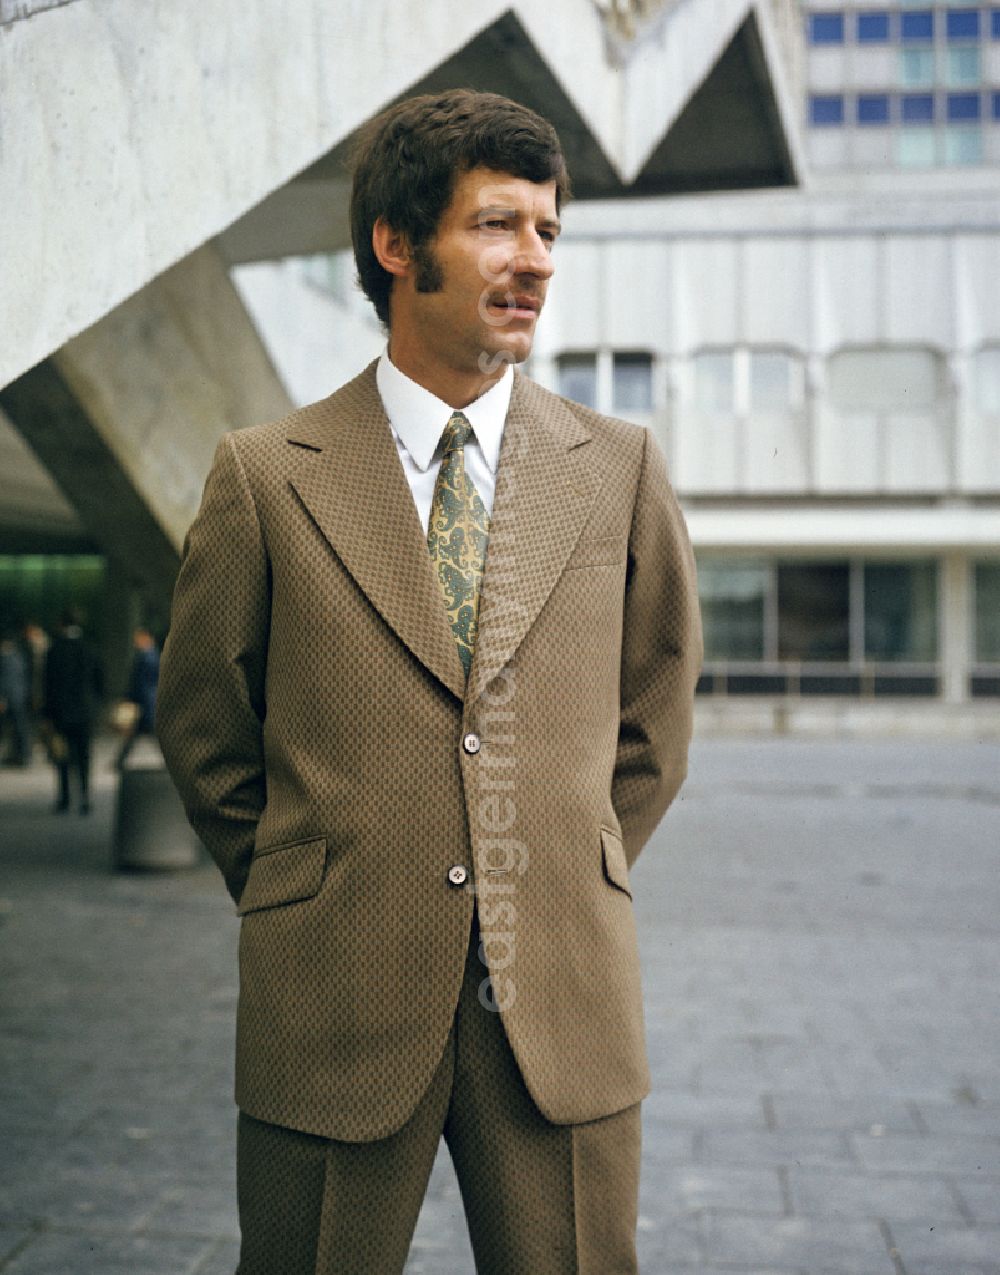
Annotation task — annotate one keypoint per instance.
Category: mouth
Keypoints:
(521, 305)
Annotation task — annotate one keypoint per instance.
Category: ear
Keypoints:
(392, 248)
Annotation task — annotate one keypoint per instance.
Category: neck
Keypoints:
(454, 386)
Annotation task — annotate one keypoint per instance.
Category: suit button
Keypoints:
(457, 875)
(472, 743)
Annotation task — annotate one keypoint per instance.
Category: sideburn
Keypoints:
(428, 275)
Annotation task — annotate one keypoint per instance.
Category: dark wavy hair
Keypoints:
(406, 160)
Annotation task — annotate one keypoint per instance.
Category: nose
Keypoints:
(533, 255)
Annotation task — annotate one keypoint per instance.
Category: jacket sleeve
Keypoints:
(661, 657)
(211, 704)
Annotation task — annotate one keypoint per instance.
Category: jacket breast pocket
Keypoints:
(602, 551)
(284, 874)
(615, 863)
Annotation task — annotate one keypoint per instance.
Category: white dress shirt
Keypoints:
(418, 418)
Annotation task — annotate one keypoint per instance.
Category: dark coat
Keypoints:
(74, 683)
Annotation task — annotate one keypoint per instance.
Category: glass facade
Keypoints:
(987, 612)
(935, 87)
(577, 373)
(986, 380)
(39, 587)
(733, 597)
(821, 626)
(632, 381)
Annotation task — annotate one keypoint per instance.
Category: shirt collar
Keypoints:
(418, 417)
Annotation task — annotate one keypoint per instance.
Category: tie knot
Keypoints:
(455, 434)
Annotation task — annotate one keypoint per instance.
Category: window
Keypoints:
(963, 107)
(826, 28)
(995, 24)
(873, 108)
(916, 148)
(918, 25)
(873, 27)
(577, 377)
(963, 144)
(813, 610)
(996, 106)
(884, 380)
(986, 380)
(986, 582)
(775, 381)
(918, 108)
(916, 68)
(962, 24)
(901, 608)
(963, 65)
(733, 596)
(713, 380)
(632, 381)
(826, 110)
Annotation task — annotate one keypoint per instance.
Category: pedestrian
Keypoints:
(15, 691)
(427, 691)
(74, 685)
(141, 693)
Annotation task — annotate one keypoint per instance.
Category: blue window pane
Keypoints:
(918, 25)
(963, 106)
(873, 108)
(996, 106)
(826, 28)
(918, 108)
(826, 109)
(873, 27)
(962, 24)
(995, 24)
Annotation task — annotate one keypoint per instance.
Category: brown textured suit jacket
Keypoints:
(313, 710)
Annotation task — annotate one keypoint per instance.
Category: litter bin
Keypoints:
(151, 830)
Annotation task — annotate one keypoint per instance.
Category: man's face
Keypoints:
(479, 285)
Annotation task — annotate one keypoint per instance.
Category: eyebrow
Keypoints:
(498, 210)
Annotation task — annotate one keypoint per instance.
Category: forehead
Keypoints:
(480, 188)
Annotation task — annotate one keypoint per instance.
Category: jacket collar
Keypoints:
(350, 480)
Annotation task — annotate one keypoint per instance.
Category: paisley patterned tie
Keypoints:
(456, 536)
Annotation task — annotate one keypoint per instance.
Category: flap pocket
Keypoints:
(615, 863)
(604, 551)
(284, 874)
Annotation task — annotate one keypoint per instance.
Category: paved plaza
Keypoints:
(821, 938)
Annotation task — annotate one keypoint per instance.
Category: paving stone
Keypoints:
(821, 1111)
(681, 1108)
(822, 1192)
(930, 1154)
(13, 1238)
(957, 1250)
(777, 1148)
(980, 1198)
(220, 1260)
(962, 1120)
(196, 1208)
(695, 1188)
(817, 1246)
(54, 1253)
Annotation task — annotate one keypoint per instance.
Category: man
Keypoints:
(15, 707)
(141, 692)
(426, 693)
(74, 685)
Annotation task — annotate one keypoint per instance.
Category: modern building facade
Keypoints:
(822, 368)
(912, 85)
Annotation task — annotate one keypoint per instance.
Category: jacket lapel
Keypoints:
(350, 480)
(546, 488)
